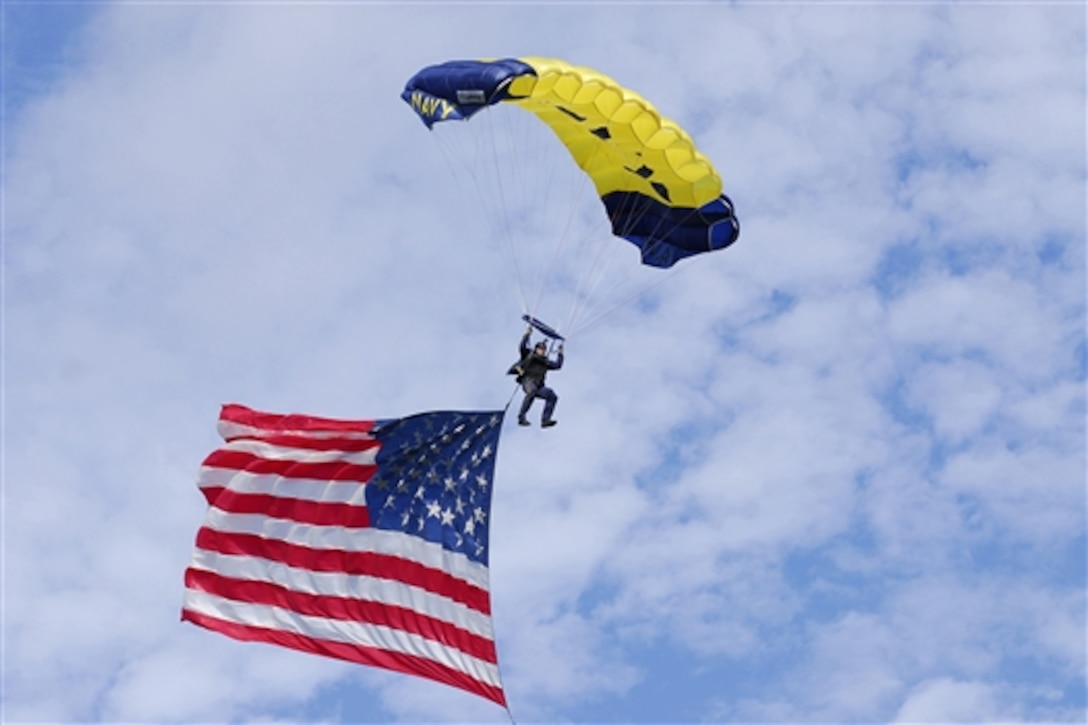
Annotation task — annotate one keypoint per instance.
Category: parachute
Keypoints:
(659, 192)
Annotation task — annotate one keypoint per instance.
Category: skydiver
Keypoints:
(531, 371)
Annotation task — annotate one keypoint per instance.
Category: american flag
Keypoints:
(361, 540)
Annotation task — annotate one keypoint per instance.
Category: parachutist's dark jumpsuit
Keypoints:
(534, 368)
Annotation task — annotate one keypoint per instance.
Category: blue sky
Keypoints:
(835, 473)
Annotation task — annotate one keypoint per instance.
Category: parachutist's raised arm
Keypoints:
(523, 348)
(558, 360)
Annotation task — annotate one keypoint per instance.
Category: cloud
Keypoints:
(946, 700)
(846, 454)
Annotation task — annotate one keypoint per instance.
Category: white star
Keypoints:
(470, 526)
(486, 452)
(479, 514)
(482, 481)
(447, 517)
(451, 485)
(433, 509)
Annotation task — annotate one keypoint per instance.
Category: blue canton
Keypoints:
(434, 478)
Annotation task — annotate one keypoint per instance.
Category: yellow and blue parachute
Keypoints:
(659, 191)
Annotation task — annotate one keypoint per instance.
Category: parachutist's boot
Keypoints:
(548, 423)
(522, 420)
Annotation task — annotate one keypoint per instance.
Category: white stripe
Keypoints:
(339, 538)
(367, 588)
(304, 489)
(271, 451)
(355, 633)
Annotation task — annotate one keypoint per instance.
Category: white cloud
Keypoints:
(848, 451)
(946, 700)
(963, 397)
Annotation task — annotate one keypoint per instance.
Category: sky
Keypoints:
(834, 473)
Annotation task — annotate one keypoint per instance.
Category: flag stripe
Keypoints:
(360, 611)
(264, 448)
(306, 489)
(338, 539)
(335, 584)
(332, 470)
(355, 563)
(313, 442)
(320, 628)
(398, 662)
(317, 513)
(242, 416)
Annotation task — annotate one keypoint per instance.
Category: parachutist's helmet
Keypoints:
(541, 347)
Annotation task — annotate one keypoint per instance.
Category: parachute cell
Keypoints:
(659, 192)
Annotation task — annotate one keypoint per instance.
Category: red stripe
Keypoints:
(373, 656)
(275, 422)
(324, 471)
(356, 563)
(342, 608)
(318, 513)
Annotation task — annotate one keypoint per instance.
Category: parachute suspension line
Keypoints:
(665, 276)
(590, 281)
(564, 237)
(551, 192)
(596, 315)
(597, 236)
(457, 156)
(584, 304)
(594, 297)
(596, 319)
(507, 231)
(593, 313)
(540, 158)
(588, 300)
(455, 147)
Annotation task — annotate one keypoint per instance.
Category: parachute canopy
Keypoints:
(659, 191)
